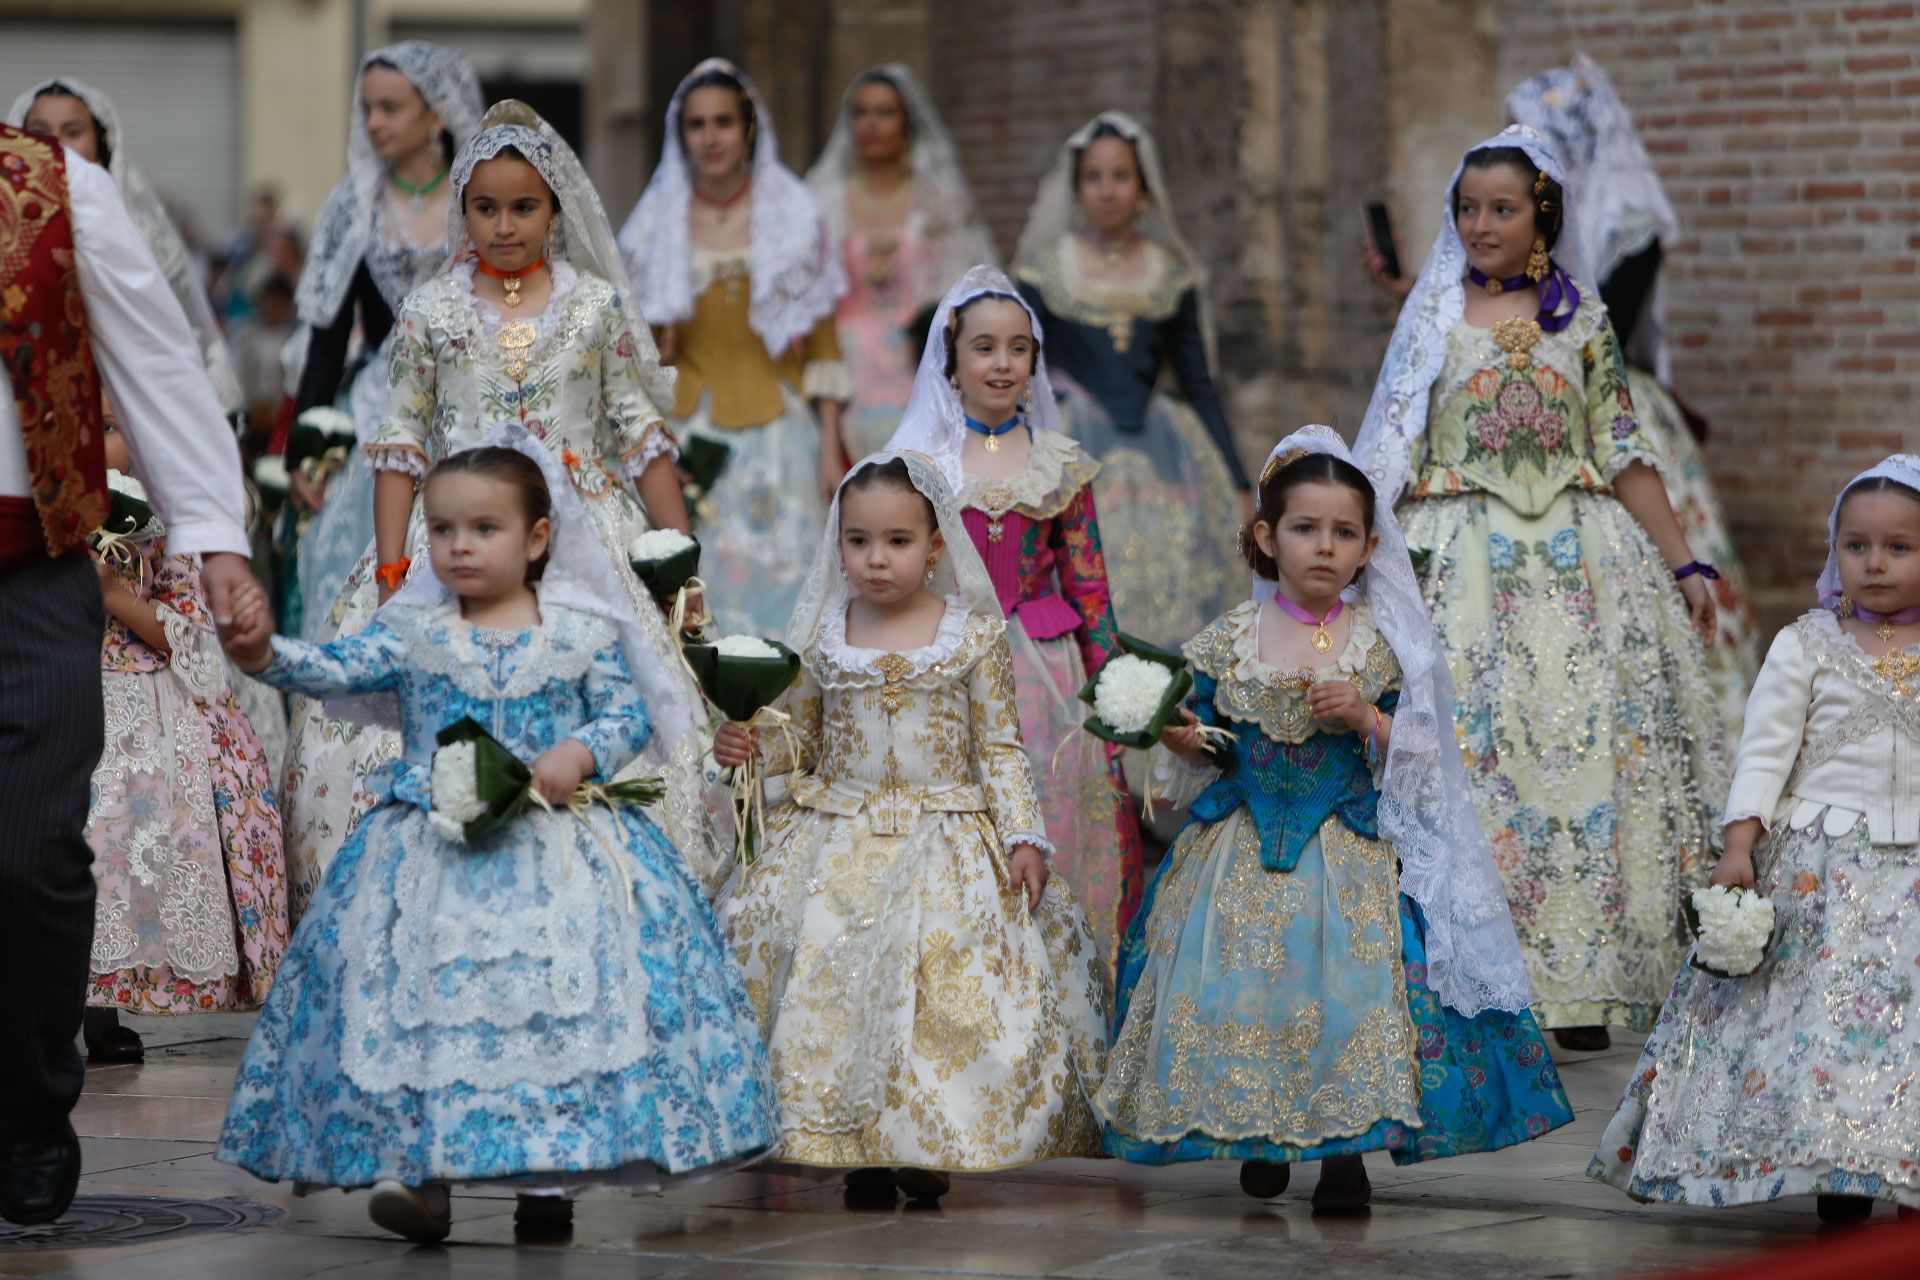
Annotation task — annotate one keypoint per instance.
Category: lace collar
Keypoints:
(450, 307)
(854, 665)
(561, 648)
(1250, 690)
(565, 280)
(1068, 292)
(1834, 650)
(1057, 470)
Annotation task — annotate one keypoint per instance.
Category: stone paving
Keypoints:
(155, 1205)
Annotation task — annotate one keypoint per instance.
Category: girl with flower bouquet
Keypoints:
(1324, 964)
(546, 1004)
(192, 910)
(931, 1001)
(1789, 1080)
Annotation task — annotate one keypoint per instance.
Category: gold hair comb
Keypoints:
(1278, 461)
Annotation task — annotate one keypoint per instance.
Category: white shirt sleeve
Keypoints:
(150, 366)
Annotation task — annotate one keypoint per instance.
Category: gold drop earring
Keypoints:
(1538, 262)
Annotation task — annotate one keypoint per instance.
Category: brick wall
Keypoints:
(1788, 135)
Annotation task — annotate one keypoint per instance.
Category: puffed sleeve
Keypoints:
(1177, 780)
(1187, 345)
(804, 705)
(1776, 724)
(823, 374)
(400, 443)
(1618, 441)
(1081, 566)
(620, 726)
(639, 432)
(999, 757)
(369, 661)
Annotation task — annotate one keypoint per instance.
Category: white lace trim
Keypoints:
(565, 280)
(196, 658)
(561, 649)
(1008, 843)
(656, 441)
(397, 457)
(826, 380)
(710, 265)
(853, 661)
(1057, 470)
(1248, 690)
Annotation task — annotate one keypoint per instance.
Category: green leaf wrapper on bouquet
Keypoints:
(665, 560)
(314, 432)
(702, 458)
(478, 785)
(740, 674)
(1136, 694)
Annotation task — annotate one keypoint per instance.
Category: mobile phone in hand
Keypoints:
(1380, 231)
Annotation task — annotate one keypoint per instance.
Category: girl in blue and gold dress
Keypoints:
(1324, 964)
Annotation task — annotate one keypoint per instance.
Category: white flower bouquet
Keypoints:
(665, 560)
(270, 475)
(129, 513)
(741, 676)
(1135, 694)
(479, 786)
(1731, 927)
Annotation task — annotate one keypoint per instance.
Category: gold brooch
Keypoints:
(515, 340)
(1517, 336)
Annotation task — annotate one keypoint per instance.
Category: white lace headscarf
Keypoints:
(1426, 808)
(1397, 414)
(1903, 467)
(797, 276)
(1056, 206)
(960, 571)
(934, 422)
(580, 576)
(156, 228)
(941, 198)
(583, 237)
(1622, 206)
(447, 84)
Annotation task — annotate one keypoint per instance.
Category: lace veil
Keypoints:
(447, 83)
(797, 276)
(1426, 809)
(1056, 211)
(583, 238)
(156, 228)
(1621, 205)
(1397, 414)
(961, 571)
(934, 423)
(1904, 467)
(941, 197)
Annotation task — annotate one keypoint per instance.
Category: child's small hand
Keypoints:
(1735, 869)
(1339, 702)
(558, 773)
(1183, 739)
(734, 744)
(1028, 869)
(249, 635)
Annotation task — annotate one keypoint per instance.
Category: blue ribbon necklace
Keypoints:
(993, 434)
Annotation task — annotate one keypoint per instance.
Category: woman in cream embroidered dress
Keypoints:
(1548, 553)
(1627, 225)
(896, 202)
(1793, 1080)
(918, 1014)
(731, 262)
(583, 378)
(1028, 504)
(1102, 263)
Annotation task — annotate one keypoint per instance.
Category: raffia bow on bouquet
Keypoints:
(479, 786)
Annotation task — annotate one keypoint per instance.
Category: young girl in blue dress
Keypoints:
(1324, 964)
(549, 1005)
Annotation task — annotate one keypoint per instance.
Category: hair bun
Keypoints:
(510, 111)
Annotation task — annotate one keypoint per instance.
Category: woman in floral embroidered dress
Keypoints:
(548, 342)
(1549, 556)
(1027, 501)
(191, 915)
(1795, 1079)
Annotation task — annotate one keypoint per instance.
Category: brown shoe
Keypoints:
(109, 1043)
(1583, 1039)
(1343, 1186)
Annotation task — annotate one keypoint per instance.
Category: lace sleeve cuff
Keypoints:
(826, 380)
(1741, 815)
(1011, 842)
(1625, 458)
(397, 457)
(1178, 781)
(655, 441)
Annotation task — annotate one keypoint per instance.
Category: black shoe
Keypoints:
(1583, 1039)
(540, 1216)
(1343, 1186)
(39, 1175)
(1265, 1179)
(1844, 1211)
(869, 1188)
(924, 1185)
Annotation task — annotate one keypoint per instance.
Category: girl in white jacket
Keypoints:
(1797, 1078)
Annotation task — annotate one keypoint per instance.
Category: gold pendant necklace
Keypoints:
(1885, 632)
(993, 444)
(1321, 639)
(516, 338)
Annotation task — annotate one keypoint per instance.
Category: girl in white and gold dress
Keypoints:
(583, 377)
(929, 999)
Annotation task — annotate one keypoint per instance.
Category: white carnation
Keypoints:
(744, 646)
(327, 420)
(456, 797)
(658, 544)
(270, 472)
(1735, 926)
(125, 485)
(1129, 692)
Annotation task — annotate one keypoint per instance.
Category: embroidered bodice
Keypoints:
(898, 734)
(1525, 415)
(1289, 770)
(1040, 538)
(566, 678)
(458, 369)
(720, 357)
(1832, 733)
